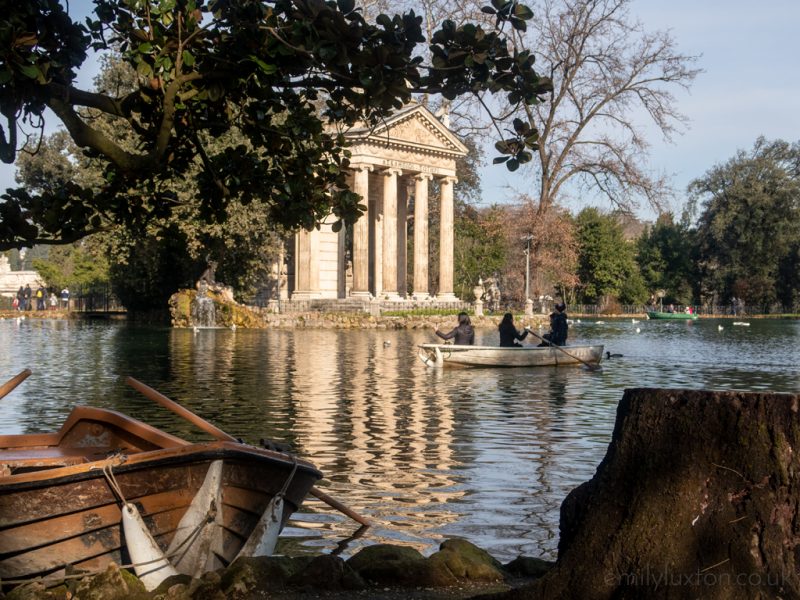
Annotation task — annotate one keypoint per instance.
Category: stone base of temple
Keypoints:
(446, 297)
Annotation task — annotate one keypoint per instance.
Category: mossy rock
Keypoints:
(208, 587)
(465, 561)
(527, 566)
(227, 313)
(112, 584)
(172, 582)
(328, 572)
(387, 564)
(261, 573)
(36, 591)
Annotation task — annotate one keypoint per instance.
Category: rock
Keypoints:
(261, 573)
(208, 587)
(328, 572)
(36, 591)
(172, 585)
(465, 560)
(696, 498)
(112, 584)
(526, 566)
(387, 564)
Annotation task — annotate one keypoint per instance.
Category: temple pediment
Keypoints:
(413, 129)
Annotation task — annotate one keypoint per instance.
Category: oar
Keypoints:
(549, 343)
(14, 382)
(216, 432)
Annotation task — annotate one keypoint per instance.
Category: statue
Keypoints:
(492, 295)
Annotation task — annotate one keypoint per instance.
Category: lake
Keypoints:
(428, 454)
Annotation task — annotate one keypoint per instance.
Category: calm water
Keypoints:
(484, 454)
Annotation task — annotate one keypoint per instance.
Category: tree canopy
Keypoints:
(748, 229)
(290, 75)
(606, 263)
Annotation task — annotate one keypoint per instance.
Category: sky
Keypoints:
(750, 86)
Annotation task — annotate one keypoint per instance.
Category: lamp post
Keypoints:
(528, 301)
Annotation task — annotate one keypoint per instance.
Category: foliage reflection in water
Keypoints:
(486, 454)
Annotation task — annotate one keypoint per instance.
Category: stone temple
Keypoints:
(393, 168)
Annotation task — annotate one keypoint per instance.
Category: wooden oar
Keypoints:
(14, 382)
(588, 364)
(216, 432)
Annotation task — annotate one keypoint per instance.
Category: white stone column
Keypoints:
(389, 254)
(376, 244)
(361, 234)
(446, 240)
(421, 236)
(306, 274)
(402, 237)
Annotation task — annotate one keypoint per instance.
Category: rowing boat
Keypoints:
(681, 316)
(108, 488)
(449, 355)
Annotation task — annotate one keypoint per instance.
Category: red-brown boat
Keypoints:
(107, 487)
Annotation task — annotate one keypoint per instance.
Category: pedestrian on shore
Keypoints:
(53, 301)
(20, 298)
(462, 335)
(65, 298)
(28, 294)
(41, 294)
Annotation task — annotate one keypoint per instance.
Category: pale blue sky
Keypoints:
(750, 85)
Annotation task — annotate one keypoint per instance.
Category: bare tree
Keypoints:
(606, 71)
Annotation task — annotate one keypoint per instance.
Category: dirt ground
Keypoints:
(461, 592)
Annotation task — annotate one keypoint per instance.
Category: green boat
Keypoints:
(682, 316)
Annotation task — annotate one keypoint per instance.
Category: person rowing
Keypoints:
(559, 328)
(508, 332)
(462, 335)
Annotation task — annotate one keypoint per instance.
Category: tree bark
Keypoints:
(698, 496)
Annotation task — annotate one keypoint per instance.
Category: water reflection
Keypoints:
(485, 454)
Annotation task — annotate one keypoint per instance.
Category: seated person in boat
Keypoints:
(508, 332)
(559, 328)
(462, 335)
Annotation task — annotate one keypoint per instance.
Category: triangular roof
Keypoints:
(413, 127)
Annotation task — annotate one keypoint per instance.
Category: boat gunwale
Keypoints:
(146, 432)
(188, 453)
(463, 348)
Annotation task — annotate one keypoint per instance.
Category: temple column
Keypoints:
(402, 237)
(421, 236)
(306, 275)
(446, 240)
(389, 254)
(361, 234)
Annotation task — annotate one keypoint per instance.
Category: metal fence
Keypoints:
(95, 299)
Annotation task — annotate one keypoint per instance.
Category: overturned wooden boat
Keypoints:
(451, 355)
(107, 487)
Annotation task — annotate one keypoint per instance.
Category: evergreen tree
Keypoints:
(606, 263)
(749, 225)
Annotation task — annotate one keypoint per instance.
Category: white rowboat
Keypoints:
(449, 355)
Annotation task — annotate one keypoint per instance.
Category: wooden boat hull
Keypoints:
(55, 516)
(679, 316)
(496, 356)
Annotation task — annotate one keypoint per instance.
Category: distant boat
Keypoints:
(742, 323)
(654, 314)
(449, 355)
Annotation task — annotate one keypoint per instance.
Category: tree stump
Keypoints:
(698, 496)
